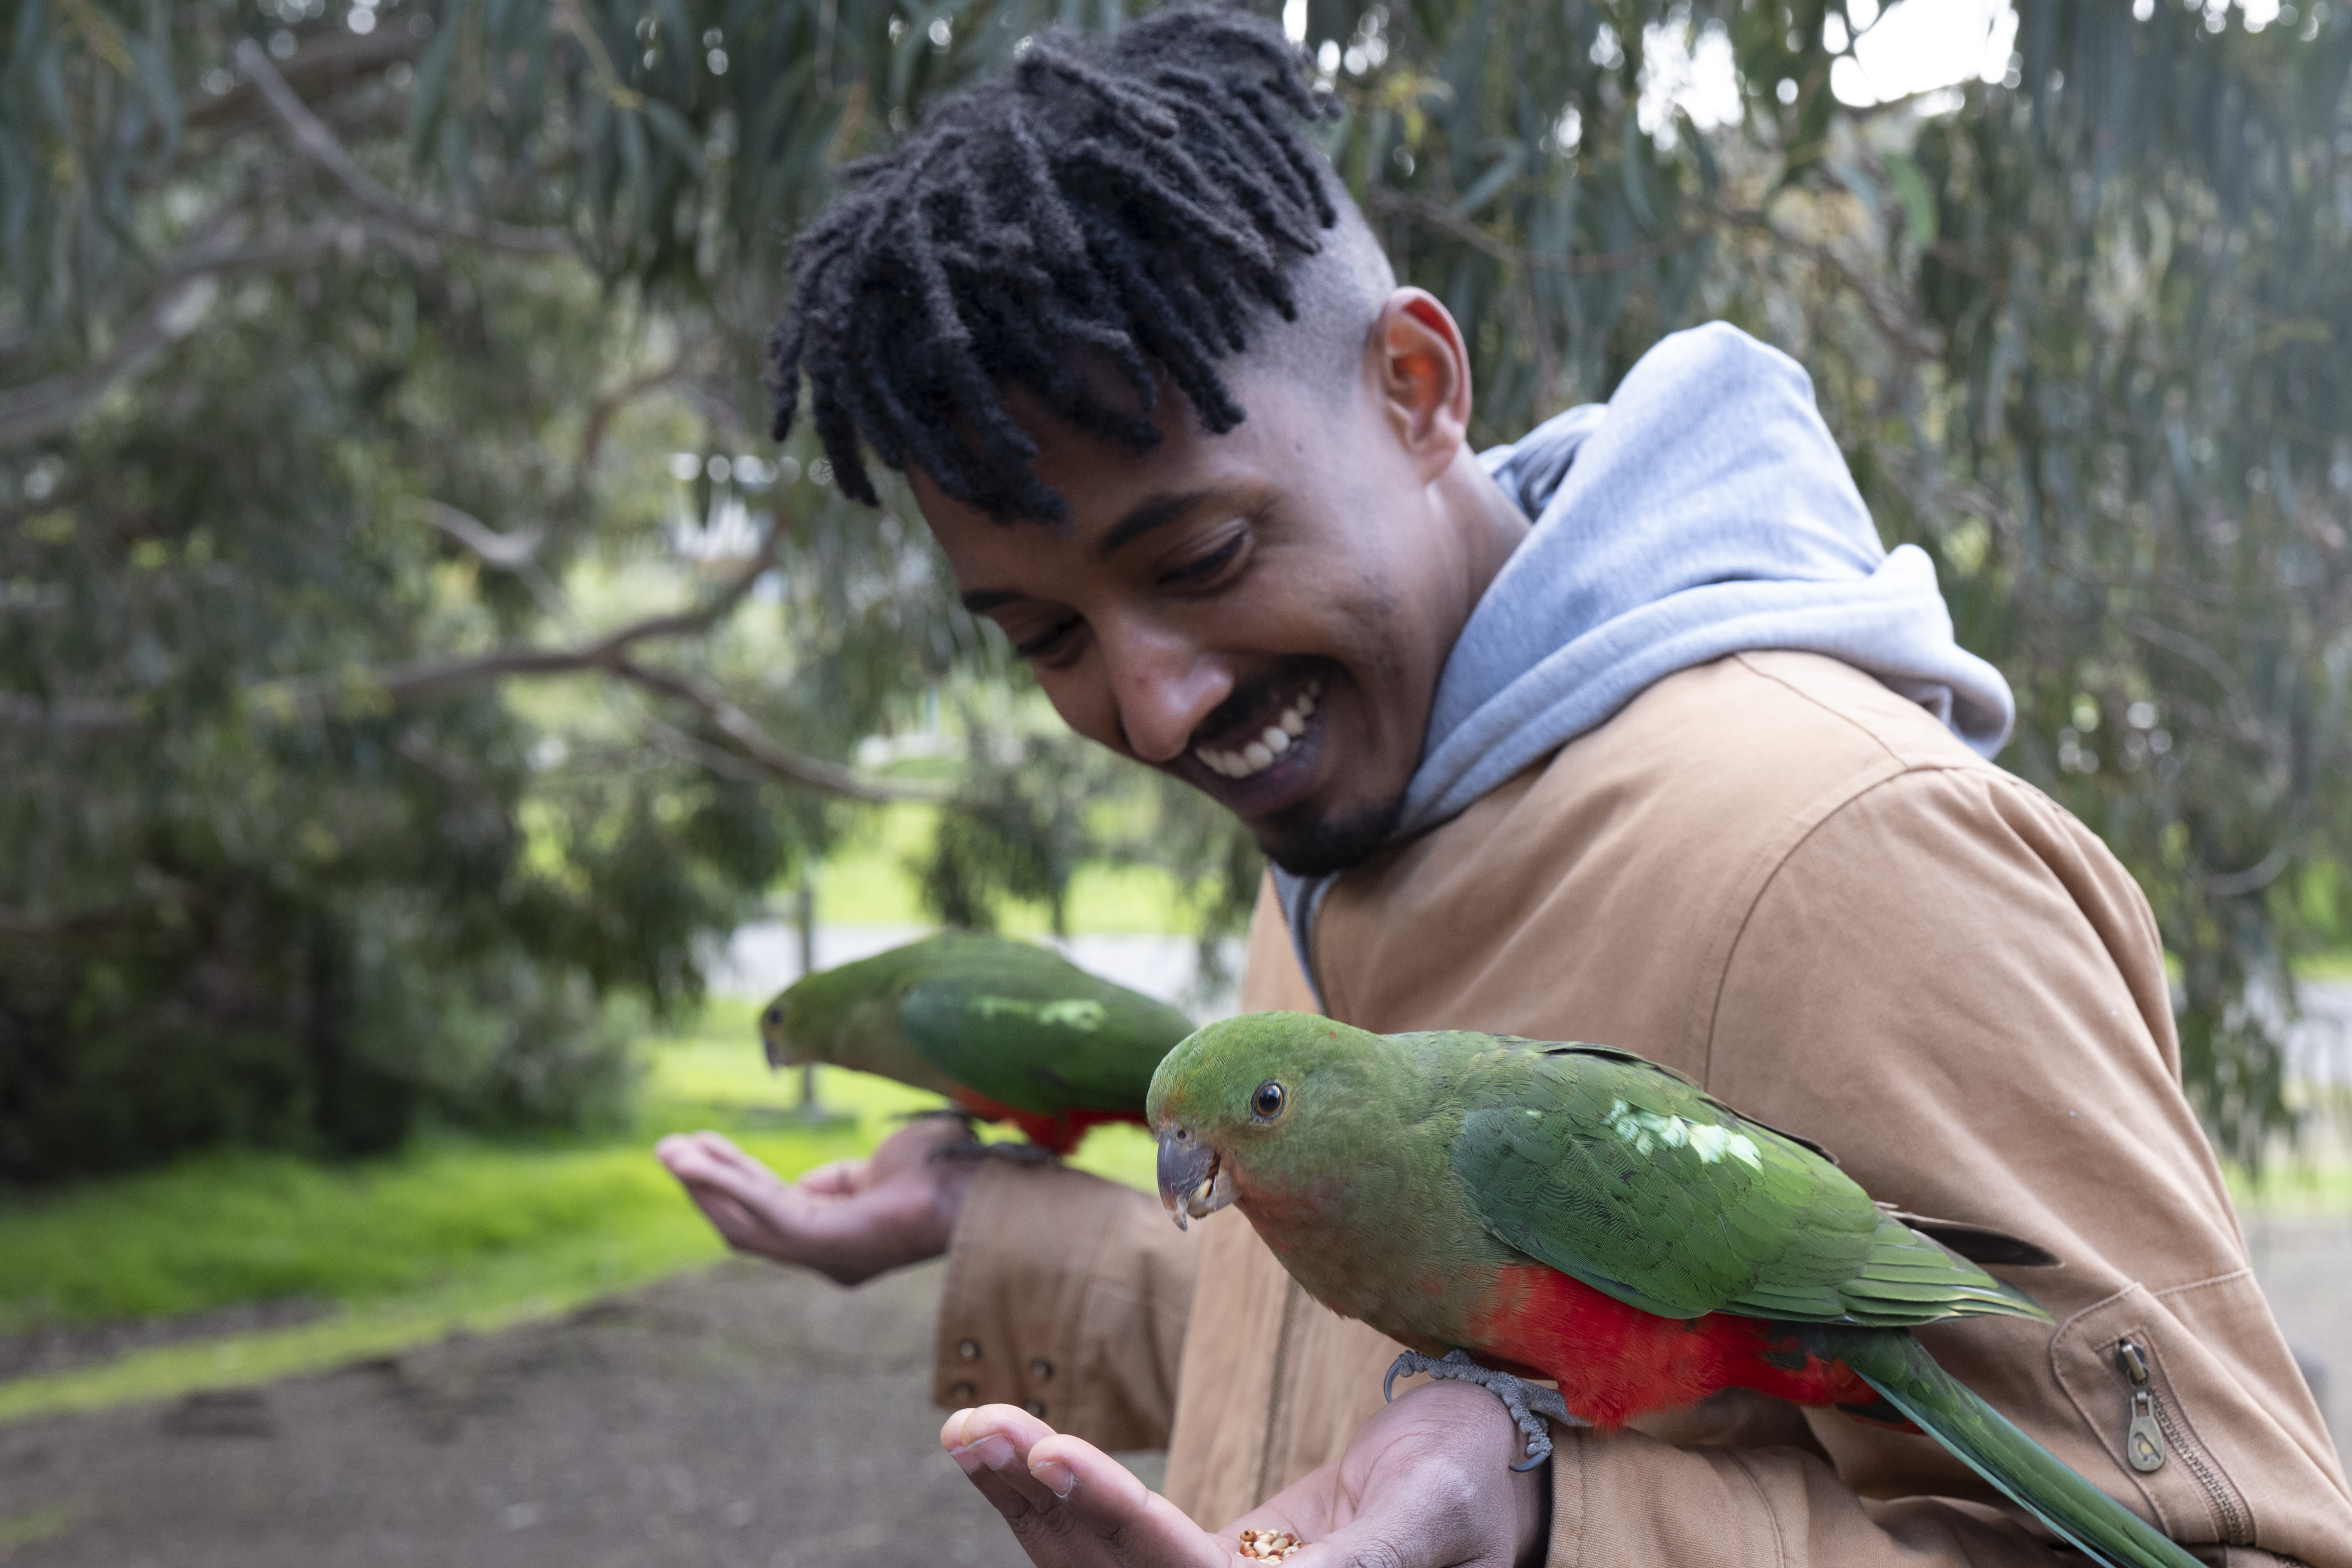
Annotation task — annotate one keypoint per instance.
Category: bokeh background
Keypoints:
(432, 711)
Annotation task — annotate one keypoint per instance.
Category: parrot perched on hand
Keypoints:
(1007, 1030)
(1579, 1214)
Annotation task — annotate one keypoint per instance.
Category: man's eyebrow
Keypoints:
(1157, 512)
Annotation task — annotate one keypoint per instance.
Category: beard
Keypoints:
(1308, 842)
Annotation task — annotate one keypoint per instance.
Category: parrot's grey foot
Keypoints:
(1529, 1402)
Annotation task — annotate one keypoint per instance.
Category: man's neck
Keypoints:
(1492, 525)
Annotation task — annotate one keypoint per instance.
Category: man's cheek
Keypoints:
(1083, 700)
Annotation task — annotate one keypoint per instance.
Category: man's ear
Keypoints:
(1425, 378)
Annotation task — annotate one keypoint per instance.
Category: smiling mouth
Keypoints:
(1269, 745)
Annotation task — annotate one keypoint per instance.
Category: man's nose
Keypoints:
(1164, 686)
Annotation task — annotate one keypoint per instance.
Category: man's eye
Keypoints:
(1207, 567)
(1046, 641)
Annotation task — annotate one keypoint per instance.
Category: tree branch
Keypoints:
(318, 145)
(516, 551)
(1422, 210)
(427, 681)
(40, 409)
(757, 746)
(1900, 334)
(43, 408)
(601, 415)
(70, 718)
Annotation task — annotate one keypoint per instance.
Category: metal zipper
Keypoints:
(2143, 1439)
(2152, 1421)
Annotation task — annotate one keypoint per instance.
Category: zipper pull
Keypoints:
(2144, 1440)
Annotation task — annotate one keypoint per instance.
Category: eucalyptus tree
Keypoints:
(363, 372)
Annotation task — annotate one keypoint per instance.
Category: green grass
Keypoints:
(867, 881)
(2294, 1187)
(452, 1234)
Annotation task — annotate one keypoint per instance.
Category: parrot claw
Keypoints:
(1529, 1402)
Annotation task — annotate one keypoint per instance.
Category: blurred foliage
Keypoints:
(2138, 470)
(365, 373)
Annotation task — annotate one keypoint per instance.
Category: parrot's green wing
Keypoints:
(1029, 1029)
(1635, 1181)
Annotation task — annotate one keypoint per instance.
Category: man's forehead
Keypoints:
(1115, 494)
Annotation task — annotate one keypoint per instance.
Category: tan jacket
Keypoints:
(1782, 879)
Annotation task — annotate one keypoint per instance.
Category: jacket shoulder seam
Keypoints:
(1861, 788)
(1906, 759)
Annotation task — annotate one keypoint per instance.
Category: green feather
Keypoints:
(1006, 1019)
(1402, 1169)
(2023, 1469)
(1640, 1183)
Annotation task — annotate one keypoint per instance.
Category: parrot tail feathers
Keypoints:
(2028, 1474)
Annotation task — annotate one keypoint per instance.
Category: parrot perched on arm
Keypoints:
(1007, 1030)
(1512, 1208)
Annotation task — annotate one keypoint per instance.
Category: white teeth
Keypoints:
(1276, 738)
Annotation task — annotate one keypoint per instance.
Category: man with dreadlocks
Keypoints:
(1630, 731)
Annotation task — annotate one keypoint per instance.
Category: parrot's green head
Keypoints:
(838, 1017)
(789, 1027)
(1270, 1102)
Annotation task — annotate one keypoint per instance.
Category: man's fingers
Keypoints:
(1128, 1521)
(995, 1441)
(838, 1178)
(756, 1187)
(736, 1225)
(1070, 1504)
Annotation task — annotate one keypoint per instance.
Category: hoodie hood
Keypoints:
(1703, 511)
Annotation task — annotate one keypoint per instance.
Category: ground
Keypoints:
(736, 1418)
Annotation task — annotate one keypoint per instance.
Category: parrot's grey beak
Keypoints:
(771, 1036)
(1192, 1181)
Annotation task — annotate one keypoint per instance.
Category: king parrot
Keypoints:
(1007, 1030)
(1580, 1213)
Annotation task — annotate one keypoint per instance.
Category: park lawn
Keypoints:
(452, 1234)
(470, 1234)
(869, 879)
(2294, 1187)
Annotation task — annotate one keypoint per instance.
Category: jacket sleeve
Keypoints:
(1068, 1295)
(1952, 985)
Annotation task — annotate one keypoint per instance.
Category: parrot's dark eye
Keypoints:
(776, 1015)
(1267, 1102)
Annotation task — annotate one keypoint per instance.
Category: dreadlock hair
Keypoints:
(1137, 199)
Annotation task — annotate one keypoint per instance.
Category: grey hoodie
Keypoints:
(1703, 511)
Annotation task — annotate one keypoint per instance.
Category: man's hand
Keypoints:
(1426, 1483)
(850, 1220)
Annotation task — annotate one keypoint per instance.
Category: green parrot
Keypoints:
(1007, 1030)
(1579, 1214)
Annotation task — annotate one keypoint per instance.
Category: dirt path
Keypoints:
(743, 1417)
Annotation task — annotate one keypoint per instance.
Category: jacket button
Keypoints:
(1042, 1370)
(962, 1391)
(968, 1350)
(1036, 1408)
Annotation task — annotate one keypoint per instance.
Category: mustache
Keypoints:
(1251, 698)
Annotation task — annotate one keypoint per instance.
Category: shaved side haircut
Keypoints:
(1149, 202)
